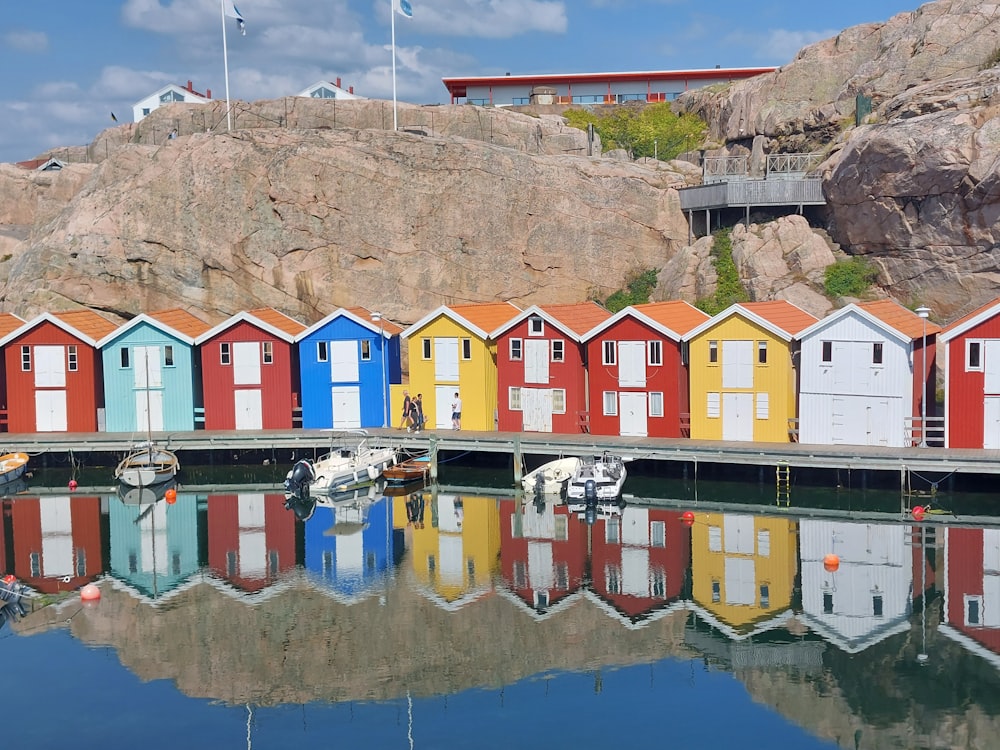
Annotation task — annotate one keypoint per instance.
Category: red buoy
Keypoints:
(90, 593)
(170, 496)
(688, 518)
(72, 484)
(831, 562)
(9, 579)
(918, 512)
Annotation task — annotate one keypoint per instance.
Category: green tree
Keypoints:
(849, 278)
(638, 287)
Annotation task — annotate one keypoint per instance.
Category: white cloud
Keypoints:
(776, 46)
(26, 41)
(491, 19)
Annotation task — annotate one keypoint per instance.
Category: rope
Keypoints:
(934, 485)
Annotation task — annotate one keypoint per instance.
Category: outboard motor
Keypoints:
(11, 592)
(302, 507)
(299, 478)
(590, 498)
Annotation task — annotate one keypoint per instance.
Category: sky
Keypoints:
(67, 65)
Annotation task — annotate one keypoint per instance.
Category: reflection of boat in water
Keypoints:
(551, 478)
(411, 470)
(601, 475)
(303, 505)
(12, 466)
(9, 489)
(342, 468)
(144, 495)
(11, 593)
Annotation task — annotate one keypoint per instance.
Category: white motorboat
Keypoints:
(551, 478)
(342, 468)
(602, 475)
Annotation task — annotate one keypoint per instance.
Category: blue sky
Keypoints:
(67, 64)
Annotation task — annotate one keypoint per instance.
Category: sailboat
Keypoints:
(147, 464)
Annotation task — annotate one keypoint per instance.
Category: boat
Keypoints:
(11, 592)
(600, 477)
(411, 470)
(147, 465)
(342, 468)
(551, 478)
(12, 466)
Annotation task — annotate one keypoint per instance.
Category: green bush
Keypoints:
(636, 292)
(646, 130)
(849, 278)
(729, 287)
(992, 61)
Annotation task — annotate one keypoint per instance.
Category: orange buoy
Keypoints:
(170, 496)
(72, 484)
(831, 562)
(90, 593)
(918, 512)
(687, 517)
(9, 579)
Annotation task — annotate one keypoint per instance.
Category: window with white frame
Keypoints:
(425, 348)
(610, 404)
(713, 352)
(516, 350)
(124, 357)
(366, 350)
(558, 400)
(514, 398)
(715, 539)
(658, 533)
(763, 406)
(609, 352)
(828, 351)
(72, 358)
(536, 326)
(25, 358)
(654, 352)
(762, 352)
(168, 356)
(268, 357)
(973, 355)
(225, 354)
(656, 403)
(322, 351)
(712, 406)
(877, 352)
(973, 610)
(466, 349)
(558, 350)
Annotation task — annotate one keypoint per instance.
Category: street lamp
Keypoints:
(923, 312)
(377, 318)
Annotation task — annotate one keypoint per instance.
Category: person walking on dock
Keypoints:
(456, 413)
(406, 422)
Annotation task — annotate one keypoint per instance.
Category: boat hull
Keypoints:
(147, 467)
(605, 476)
(551, 478)
(12, 466)
(338, 472)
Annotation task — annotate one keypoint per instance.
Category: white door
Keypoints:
(149, 410)
(50, 411)
(249, 415)
(536, 361)
(632, 411)
(877, 416)
(632, 364)
(737, 364)
(737, 416)
(839, 429)
(346, 407)
(57, 536)
(50, 366)
(991, 367)
(253, 538)
(443, 396)
(147, 370)
(446, 362)
(246, 363)
(991, 422)
(344, 362)
(536, 409)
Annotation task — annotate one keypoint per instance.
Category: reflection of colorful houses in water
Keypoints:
(971, 613)
(251, 538)
(154, 546)
(639, 562)
(868, 597)
(349, 546)
(743, 569)
(56, 541)
(543, 553)
(456, 552)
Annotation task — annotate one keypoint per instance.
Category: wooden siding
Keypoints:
(966, 391)
(669, 378)
(776, 378)
(178, 389)
(84, 387)
(250, 553)
(278, 396)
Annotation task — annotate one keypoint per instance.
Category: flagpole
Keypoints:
(225, 62)
(392, 16)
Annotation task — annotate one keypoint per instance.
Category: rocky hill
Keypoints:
(309, 205)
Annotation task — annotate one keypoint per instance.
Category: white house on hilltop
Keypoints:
(168, 95)
(327, 90)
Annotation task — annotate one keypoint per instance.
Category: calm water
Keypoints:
(439, 620)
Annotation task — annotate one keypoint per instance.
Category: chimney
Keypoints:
(190, 86)
(350, 89)
(208, 93)
(338, 82)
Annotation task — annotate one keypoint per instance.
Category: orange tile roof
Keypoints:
(9, 323)
(894, 314)
(387, 325)
(678, 316)
(579, 317)
(969, 316)
(781, 313)
(487, 316)
(278, 320)
(87, 322)
(181, 321)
